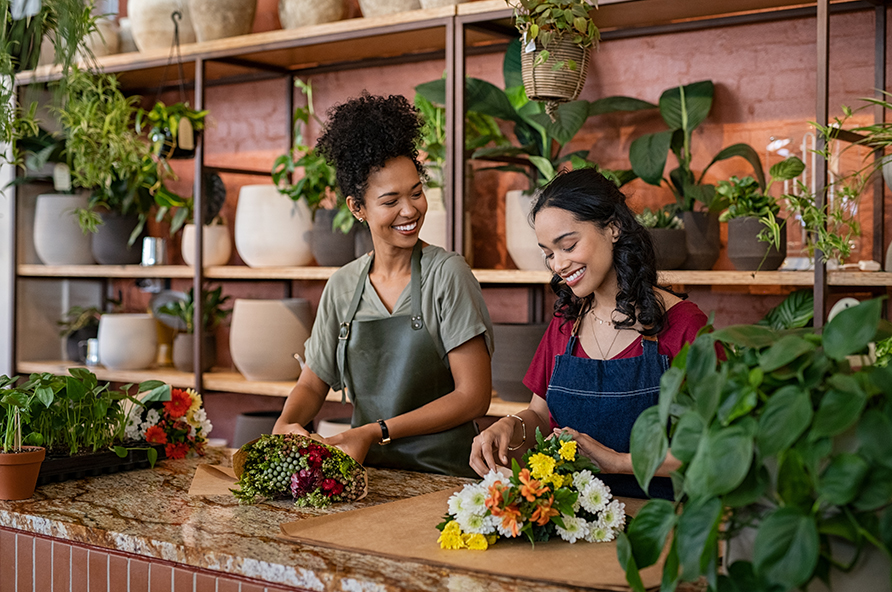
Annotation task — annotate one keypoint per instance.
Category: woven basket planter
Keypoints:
(557, 86)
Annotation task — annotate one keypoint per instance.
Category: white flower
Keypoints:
(506, 532)
(474, 499)
(456, 503)
(132, 431)
(582, 478)
(492, 477)
(152, 418)
(613, 516)
(600, 534)
(475, 523)
(574, 528)
(594, 496)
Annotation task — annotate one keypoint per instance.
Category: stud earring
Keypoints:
(361, 220)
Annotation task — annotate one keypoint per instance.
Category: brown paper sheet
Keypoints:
(212, 480)
(405, 529)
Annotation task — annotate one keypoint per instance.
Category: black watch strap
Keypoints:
(385, 433)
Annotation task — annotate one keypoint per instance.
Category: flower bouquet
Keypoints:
(179, 423)
(557, 494)
(291, 465)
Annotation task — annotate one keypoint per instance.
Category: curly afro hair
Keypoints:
(363, 134)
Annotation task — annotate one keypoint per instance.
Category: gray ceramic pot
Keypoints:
(110, 242)
(669, 247)
(747, 252)
(703, 239)
(184, 352)
(331, 248)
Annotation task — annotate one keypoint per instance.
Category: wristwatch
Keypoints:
(385, 433)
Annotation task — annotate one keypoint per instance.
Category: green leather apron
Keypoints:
(391, 366)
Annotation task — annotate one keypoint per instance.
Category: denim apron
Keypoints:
(603, 398)
(391, 366)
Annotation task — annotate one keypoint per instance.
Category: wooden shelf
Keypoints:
(60, 367)
(105, 271)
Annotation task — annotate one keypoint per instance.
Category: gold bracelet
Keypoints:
(523, 427)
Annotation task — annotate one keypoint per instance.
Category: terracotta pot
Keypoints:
(302, 13)
(272, 230)
(152, 26)
(184, 352)
(669, 246)
(110, 243)
(512, 358)
(58, 239)
(265, 335)
(127, 341)
(332, 248)
(703, 239)
(519, 235)
(384, 7)
(216, 246)
(18, 472)
(747, 252)
(216, 19)
(543, 83)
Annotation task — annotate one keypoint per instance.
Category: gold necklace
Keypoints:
(598, 343)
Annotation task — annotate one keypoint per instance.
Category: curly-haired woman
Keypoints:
(403, 329)
(613, 333)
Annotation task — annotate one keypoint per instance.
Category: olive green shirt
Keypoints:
(452, 305)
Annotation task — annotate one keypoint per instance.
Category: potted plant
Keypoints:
(173, 130)
(19, 465)
(787, 440)
(213, 314)
(751, 214)
(216, 240)
(667, 233)
(333, 242)
(683, 109)
(558, 36)
(78, 324)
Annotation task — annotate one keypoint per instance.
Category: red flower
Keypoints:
(178, 450)
(156, 435)
(332, 487)
(179, 403)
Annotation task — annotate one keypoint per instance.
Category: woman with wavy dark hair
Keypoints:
(613, 333)
(402, 330)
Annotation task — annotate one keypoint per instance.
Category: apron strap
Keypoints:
(344, 329)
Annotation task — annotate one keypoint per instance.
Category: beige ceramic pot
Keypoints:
(271, 230)
(384, 7)
(265, 335)
(216, 19)
(303, 13)
(216, 246)
(19, 472)
(433, 230)
(127, 341)
(58, 238)
(519, 235)
(152, 26)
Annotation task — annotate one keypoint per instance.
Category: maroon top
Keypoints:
(681, 325)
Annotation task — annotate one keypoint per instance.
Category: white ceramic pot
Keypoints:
(58, 239)
(104, 40)
(216, 19)
(434, 229)
(385, 7)
(126, 44)
(520, 236)
(302, 13)
(265, 335)
(216, 246)
(271, 230)
(152, 26)
(127, 341)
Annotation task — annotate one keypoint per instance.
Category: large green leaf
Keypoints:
(569, 119)
(842, 479)
(511, 68)
(786, 547)
(787, 169)
(785, 351)
(837, 412)
(875, 436)
(697, 104)
(686, 439)
(785, 417)
(751, 489)
(627, 560)
(617, 103)
(852, 329)
(744, 151)
(670, 383)
(794, 312)
(698, 523)
(648, 445)
(648, 156)
(721, 463)
(649, 529)
(753, 336)
(876, 490)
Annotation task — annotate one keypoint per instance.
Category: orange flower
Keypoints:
(509, 519)
(495, 497)
(178, 450)
(179, 403)
(156, 435)
(531, 488)
(544, 512)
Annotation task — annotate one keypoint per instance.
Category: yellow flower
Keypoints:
(557, 480)
(568, 450)
(491, 539)
(196, 401)
(541, 465)
(452, 527)
(475, 542)
(450, 541)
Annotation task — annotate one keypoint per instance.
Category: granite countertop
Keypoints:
(149, 513)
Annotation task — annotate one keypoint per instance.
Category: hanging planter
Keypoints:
(556, 74)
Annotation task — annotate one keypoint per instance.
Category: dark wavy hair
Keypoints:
(363, 134)
(591, 197)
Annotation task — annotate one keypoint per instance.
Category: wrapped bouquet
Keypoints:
(282, 466)
(556, 494)
(180, 422)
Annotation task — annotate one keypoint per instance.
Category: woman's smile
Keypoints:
(408, 228)
(574, 277)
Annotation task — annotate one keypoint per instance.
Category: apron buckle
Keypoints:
(417, 322)
(344, 332)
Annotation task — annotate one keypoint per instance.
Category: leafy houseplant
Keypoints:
(784, 436)
(171, 129)
(213, 313)
(19, 465)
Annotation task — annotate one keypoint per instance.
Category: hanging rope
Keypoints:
(174, 51)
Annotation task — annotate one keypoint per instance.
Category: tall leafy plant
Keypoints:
(683, 109)
(785, 436)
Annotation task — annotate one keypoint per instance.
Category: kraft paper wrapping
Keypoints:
(212, 480)
(405, 529)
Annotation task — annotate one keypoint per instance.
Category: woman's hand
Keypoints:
(357, 441)
(494, 439)
(606, 459)
(290, 428)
